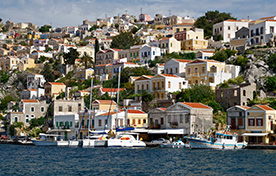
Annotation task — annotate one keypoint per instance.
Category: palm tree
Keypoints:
(86, 60)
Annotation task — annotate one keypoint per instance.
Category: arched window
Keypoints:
(15, 119)
(244, 92)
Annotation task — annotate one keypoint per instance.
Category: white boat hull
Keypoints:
(73, 143)
(44, 143)
(124, 143)
(63, 143)
(203, 144)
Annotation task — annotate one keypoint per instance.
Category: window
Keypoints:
(139, 121)
(271, 29)
(69, 108)
(203, 69)
(133, 121)
(167, 45)
(163, 84)
(138, 87)
(244, 92)
(32, 109)
(229, 27)
(222, 94)
(27, 120)
(259, 122)
(179, 85)
(228, 35)
(162, 121)
(100, 122)
(32, 116)
(169, 84)
(251, 122)
(186, 118)
(153, 53)
(237, 28)
(181, 118)
(60, 108)
(196, 70)
(105, 122)
(262, 30)
(15, 119)
(42, 109)
(176, 71)
(189, 71)
(79, 106)
(56, 124)
(60, 124)
(235, 93)
(171, 44)
(171, 71)
(169, 118)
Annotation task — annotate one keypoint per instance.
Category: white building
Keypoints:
(34, 81)
(262, 31)
(148, 53)
(169, 45)
(176, 66)
(228, 28)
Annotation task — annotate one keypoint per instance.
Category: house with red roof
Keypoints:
(112, 92)
(129, 117)
(176, 66)
(192, 117)
(157, 118)
(228, 28)
(260, 124)
(107, 56)
(160, 85)
(262, 31)
(53, 89)
(236, 119)
(210, 72)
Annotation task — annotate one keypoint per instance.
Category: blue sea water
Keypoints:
(34, 160)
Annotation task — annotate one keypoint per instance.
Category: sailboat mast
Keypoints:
(90, 106)
(118, 93)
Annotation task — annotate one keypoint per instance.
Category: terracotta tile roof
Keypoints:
(104, 102)
(111, 89)
(245, 107)
(111, 113)
(135, 111)
(116, 49)
(208, 51)
(29, 101)
(182, 60)
(163, 109)
(33, 89)
(196, 105)
(270, 20)
(164, 38)
(169, 75)
(230, 20)
(267, 17)
(83, 91)
(102, 65)
(265, 107)
(56, 83)
(16, 112)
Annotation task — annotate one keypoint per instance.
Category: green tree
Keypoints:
(5, 101)
(97, 48)
(216, 106)
(270, 83)
(210, 18)
(86, 60)
(134, 71)
(36, 122)
(45, 28)
(219, 37)
(15, 125)
(146, 99)
(223, 55)
(125, 40)
(47, 72)
(94, 27)
(71, 56)
(4, 77)
(241, 61)
(271, 62)
(197, 93)
(48, 49)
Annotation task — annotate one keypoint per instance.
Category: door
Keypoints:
(233, 123)
(65, 136)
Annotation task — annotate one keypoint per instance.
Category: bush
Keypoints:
(241, 61)
(215, 106)
(270, 83)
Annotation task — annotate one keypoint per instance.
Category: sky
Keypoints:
(60, 13)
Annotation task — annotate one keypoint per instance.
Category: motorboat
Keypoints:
(125, 140)
(175, 144)
(224, 140)
(95, 141)
(45, 140)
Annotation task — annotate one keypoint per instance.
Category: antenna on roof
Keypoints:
(126, 11)
(141, 9)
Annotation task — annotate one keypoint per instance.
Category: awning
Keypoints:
(255, 134)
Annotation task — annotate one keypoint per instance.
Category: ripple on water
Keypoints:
(33, 160)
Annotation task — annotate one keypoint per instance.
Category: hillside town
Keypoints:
(165, 76)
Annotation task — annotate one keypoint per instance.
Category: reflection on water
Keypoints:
(33, 160)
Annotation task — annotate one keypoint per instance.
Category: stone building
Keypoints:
(240, 95)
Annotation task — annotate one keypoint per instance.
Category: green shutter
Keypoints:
(56, 124)
(71, 124)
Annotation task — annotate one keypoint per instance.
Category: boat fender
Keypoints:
(235, 146)
(223, 146)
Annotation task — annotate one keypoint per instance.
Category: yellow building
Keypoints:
(53, 89)
(260, 124)
(104, 105)
(9, 63)
(84, 74)
(195, 44)
(209, 72)
(182, 27)
(26, 63)
(169, 45)
(137, 118)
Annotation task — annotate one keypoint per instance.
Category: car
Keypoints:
(159, 141)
